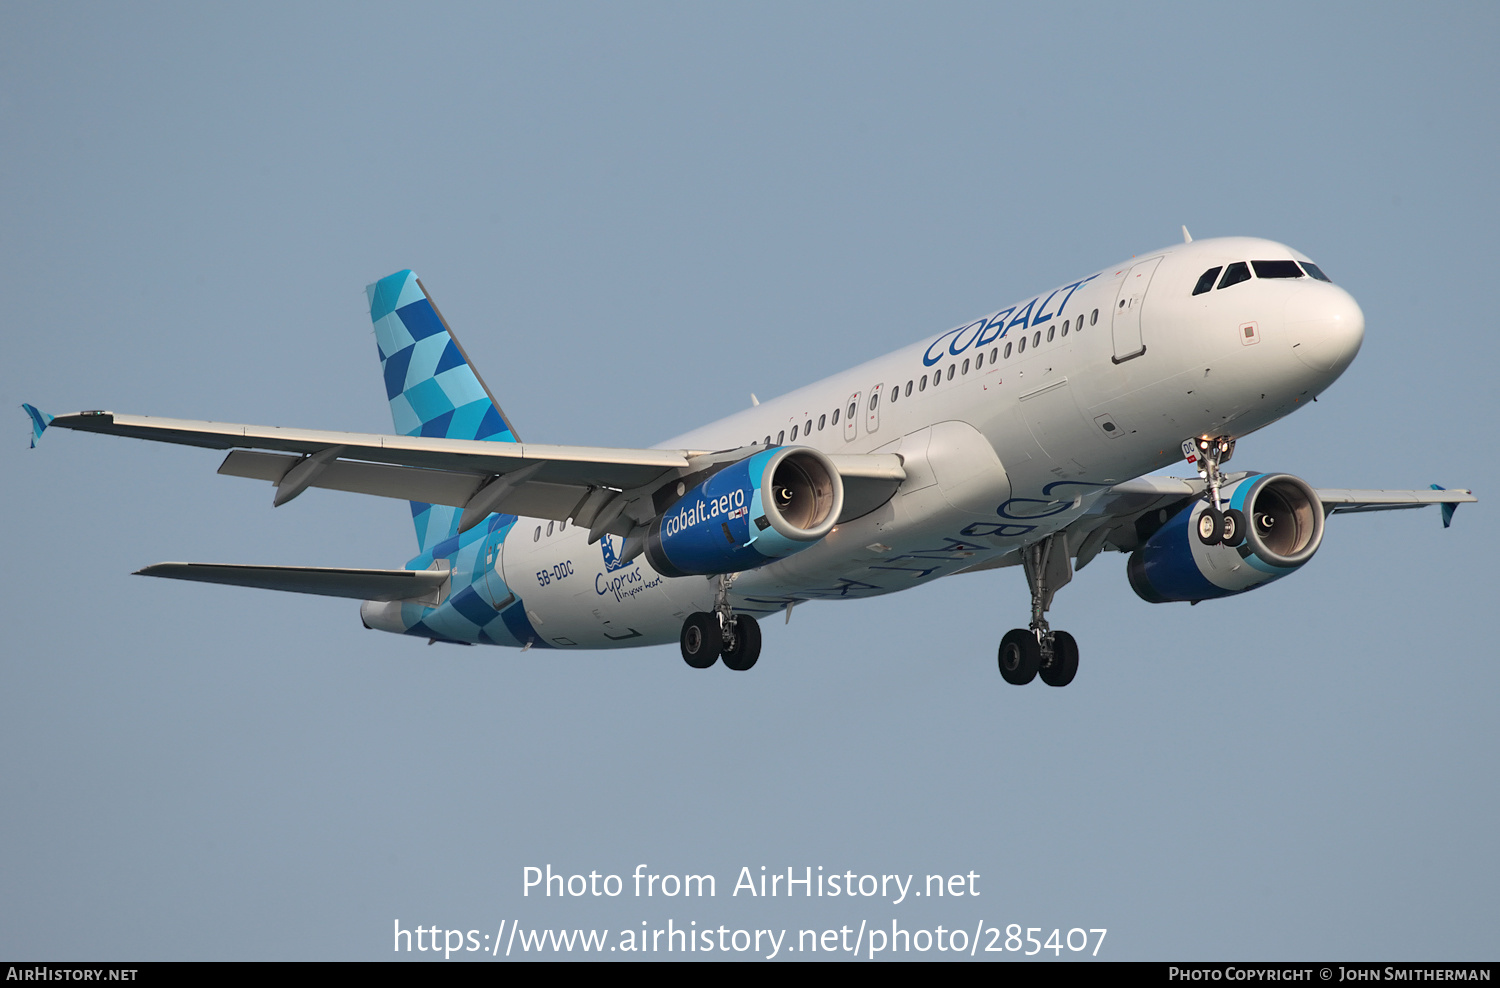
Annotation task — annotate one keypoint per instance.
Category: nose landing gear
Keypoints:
(709, 635)
(1026, 653)
(1215, 524)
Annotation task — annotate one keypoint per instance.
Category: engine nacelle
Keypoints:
(760, 509)
(1284, 527)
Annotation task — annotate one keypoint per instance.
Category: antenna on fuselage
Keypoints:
(1187, 238)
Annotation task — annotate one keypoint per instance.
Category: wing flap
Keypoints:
(533, 499)
(357, 477)
(360, 584)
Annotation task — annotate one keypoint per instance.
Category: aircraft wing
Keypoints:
(1113, 520)
(608, 489)
(1343, 502)
(1116, 520)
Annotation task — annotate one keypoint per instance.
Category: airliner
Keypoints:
(1028, 437)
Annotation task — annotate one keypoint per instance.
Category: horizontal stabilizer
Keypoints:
(361, 584)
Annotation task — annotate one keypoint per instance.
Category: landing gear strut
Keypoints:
(1026, 653)
(707, 635)
(1215, 523)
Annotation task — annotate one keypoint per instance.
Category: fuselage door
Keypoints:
(1127, 320)
(493, 583)
(872, 416)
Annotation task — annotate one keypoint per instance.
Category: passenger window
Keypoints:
(1206, 280)
(979, 360)
(1234, 274)
(1093, 319)
(1316, 271)
(794, 433)
(994, 352)
(937, 377)
(1066, 323)
(835, 417)
(896, 392)
(562, 525)
(768, 439)
(923, 385)
(966, 365)
(780, 437)
(1036, 340)
(1021, 346)
(1276, 269)
(908, 389)
(537, 535)
(951, 368)
(822, 421)
(549, 527)
(807, 428)
(1051, 332)
(1007, 350)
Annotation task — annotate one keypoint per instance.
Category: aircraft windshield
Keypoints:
(1240, 271)
(1276, 269)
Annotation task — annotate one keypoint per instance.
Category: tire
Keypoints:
(701, 640)
(1210, 526)
(1020, 655)
(1064, 660)
(746, 644)
(1233, 530)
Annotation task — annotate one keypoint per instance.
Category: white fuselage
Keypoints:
(1010, 445)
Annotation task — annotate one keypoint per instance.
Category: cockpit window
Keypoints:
(1207, 281)
(1316, 271)
(1276, 269)
(1234, 274)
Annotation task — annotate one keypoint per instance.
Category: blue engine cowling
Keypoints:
(1284, 527)
(752, 512)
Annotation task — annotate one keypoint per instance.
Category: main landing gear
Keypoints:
(1026, 653)
(709, 635)
(1215, 524)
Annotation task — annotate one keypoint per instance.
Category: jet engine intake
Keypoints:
(1284, 527)
(759, 509)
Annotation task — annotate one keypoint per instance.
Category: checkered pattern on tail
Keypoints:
(432, 389)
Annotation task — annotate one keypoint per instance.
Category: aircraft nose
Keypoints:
(1326, 327)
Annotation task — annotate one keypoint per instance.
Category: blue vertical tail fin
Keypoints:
(432, 387)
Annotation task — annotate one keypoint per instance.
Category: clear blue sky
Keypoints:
(633, 216)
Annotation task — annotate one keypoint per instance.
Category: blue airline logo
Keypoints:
(983, 332)
(611, 561)
(729, 506)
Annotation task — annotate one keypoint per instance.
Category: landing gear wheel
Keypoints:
(1210, 526)
(1233, 529)
(746, 644)
(701, 640)
(1064, 660)
(1020, 655)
